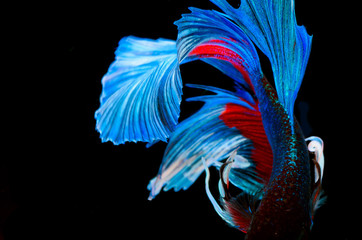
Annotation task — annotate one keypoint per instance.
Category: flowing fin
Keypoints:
(141, 94)
(315, 146)
(242, 208)
(272, 26)
(249, 123)
(209, 35)
(203, 134)
(236, 211)
(224, 176)
(222, 213)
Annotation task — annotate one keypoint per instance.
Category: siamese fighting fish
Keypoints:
(249, 133)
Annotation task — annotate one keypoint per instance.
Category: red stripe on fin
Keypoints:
(249, 123)
(214, 49)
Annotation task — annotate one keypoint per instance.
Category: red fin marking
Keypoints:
(241, 209)
(242, 221)
(213, 49)
(249, 123)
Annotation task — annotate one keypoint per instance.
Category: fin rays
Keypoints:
(141, 93)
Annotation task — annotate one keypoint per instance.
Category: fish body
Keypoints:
(284, 211)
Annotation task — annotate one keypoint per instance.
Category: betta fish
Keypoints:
(250, 133)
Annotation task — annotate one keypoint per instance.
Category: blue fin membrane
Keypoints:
(272, 26)
(141, 93)
(204, 135)
(208, 28)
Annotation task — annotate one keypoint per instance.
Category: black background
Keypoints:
(58, 180)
